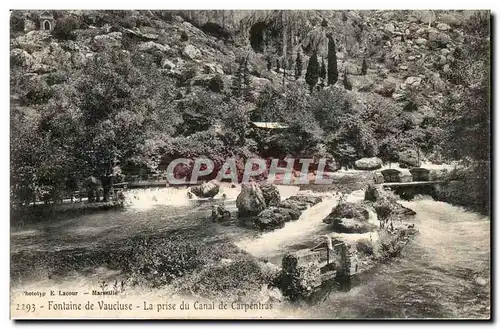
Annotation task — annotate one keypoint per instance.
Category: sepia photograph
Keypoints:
(250, 164)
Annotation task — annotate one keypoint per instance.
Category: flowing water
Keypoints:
(443, 272)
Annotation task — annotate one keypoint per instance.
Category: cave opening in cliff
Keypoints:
(257, 36)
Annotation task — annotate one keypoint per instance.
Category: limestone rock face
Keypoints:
(251, 200)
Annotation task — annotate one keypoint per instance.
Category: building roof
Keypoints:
(269, 125)
(46, 14)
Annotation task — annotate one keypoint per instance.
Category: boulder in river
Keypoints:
(350, 217)
(271, 194)
(300, 202)
(206, 190)
(368, 163)
(352, 225)
(348, 210)
(374, 193)
(274, 217)
(220, 214)
(251, 200)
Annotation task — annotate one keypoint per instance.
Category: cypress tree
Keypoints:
(313, 69)
(240, 83)
(322, 72)
(246, 78)
(298, 66)
(364, 67)
(237, 80)
(333, 73)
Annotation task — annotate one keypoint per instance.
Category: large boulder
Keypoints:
(271, 194)
(368, 163)
(153, 46)
(348, 210)
(300, 202)
(275, 217)
(113, 39)
(251, 200)
(206, 190)
(352, 225)
(350, 217)
(387, 208)
(191, 52)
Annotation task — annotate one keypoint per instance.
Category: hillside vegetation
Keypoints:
(113, 93)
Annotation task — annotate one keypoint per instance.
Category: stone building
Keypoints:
(46, 21)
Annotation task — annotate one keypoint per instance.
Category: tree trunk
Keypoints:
(107, 187)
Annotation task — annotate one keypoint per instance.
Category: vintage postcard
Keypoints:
(250, 164)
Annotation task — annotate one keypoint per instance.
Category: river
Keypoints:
(443, 273)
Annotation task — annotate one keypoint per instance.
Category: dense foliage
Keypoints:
(130, 110)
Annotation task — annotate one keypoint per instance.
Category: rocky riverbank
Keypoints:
(363, 233)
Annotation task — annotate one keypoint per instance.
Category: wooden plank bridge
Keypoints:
(418, 183)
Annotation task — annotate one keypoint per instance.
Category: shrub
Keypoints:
(65, 27)
(184, 36)
(235, 278)
(156, 262)
(16, 23)
(216, 84)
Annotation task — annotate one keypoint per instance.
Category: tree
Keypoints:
(347, 84)
(241, 80)
(467, 110)
(333, 73)
(322, 72)
(246, 79)
(237, 80)
(298, 66)
(364, 67)
(312, 73)
(277, 65)
(65, 27)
